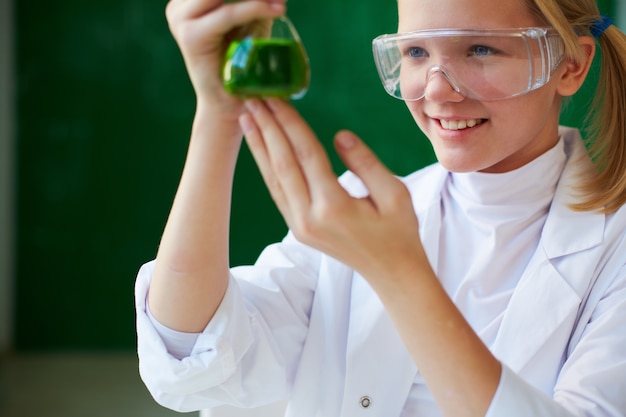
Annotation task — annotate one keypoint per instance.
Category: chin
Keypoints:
(461, 163)
(460, 168)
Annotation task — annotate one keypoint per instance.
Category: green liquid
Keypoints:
(266, 67)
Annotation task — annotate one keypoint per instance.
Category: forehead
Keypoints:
(466, 14)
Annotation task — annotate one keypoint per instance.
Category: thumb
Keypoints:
(360, 159)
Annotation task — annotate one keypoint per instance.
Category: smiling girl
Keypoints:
(492, 283)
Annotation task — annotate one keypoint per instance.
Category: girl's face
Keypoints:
(505, 134)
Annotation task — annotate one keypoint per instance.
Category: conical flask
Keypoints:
(273, 65)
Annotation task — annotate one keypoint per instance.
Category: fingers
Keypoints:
(385, 189)
(293, 163)
(317, 209)
(308, 152)
(275, 158)
(203, 30)
(201, 25)
(262, 158)
(233, 15)
(229, 14)
(190, 8)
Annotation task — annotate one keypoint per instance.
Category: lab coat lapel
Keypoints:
(541, 303)
(546, 301)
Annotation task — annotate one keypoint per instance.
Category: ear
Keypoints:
(576, 71)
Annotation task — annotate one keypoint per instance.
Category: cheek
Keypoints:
(416, 110)
(536, 108)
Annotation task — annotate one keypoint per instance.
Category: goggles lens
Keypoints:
(479, 64)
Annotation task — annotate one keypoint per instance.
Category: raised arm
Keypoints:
(191, 269)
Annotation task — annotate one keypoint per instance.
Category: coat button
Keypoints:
(365, 401)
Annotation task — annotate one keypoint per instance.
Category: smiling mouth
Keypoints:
(460, 124)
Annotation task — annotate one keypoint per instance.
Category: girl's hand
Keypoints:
(377, 236)
(204, 28)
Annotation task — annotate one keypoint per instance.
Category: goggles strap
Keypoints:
(600, 25)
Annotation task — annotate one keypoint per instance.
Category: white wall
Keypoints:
(621, 14)
(7, 165)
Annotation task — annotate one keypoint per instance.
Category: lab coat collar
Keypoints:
(567, 231)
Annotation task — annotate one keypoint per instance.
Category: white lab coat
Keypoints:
(302, 325)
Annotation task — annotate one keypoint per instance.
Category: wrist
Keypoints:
(217, 119)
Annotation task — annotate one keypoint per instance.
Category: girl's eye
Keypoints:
(415, 52)
(481, 50)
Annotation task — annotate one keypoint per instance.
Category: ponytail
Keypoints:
(606, 134)
(605, 125)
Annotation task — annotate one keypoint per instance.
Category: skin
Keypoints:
(377, 236)
(493, 146)
(191, 271)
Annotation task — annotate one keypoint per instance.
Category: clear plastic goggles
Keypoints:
(486, 65)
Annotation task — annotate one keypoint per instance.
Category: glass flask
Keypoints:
(270, 64)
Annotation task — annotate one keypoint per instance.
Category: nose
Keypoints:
(440, 87)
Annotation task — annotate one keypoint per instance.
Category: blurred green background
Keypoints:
(97, 110)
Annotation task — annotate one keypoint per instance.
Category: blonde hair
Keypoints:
(605, 130)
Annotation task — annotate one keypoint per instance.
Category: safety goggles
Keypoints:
(486, 65)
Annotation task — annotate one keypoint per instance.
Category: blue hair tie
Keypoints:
(600, 25)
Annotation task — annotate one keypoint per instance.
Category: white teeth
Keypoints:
(459, 124)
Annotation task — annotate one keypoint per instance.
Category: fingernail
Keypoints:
(346, 141)
(252, 104)
(272, 103)
(277, 6)
(245, 122)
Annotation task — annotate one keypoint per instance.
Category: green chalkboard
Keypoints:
(104, 111)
